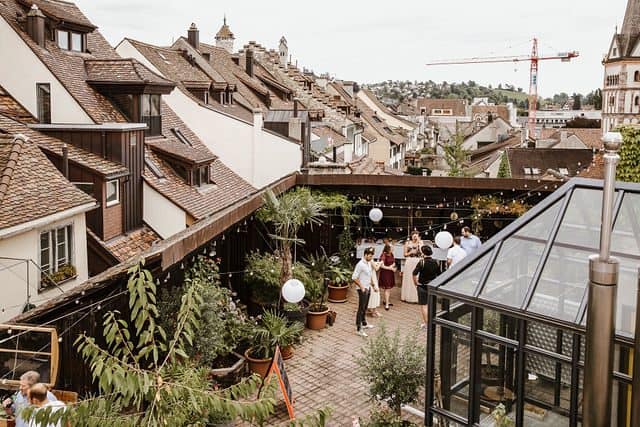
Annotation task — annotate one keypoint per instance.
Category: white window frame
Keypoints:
(52, 265)
(117, 199)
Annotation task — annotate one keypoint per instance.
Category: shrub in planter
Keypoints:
(339, 281)
(224, 325)
(315, 283)
(64, 272)
(272, 330)
(263, 278)
(382, 416)
(294, 312)
(395, 370)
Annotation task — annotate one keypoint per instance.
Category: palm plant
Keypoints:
(275, 330)
(288, 213)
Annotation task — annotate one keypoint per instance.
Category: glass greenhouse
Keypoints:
(507, 324)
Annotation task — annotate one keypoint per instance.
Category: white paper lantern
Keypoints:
(293, 291)
(444, 239)
(375, 215)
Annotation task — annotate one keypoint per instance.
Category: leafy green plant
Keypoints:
(147, 371)
(339, 276)
(274, 330)
(504, 171)
(501, 418)
(315, 282)
(382, 416)
(64, 272)
(226, 324)
(629, 167)
(394, 370)
(455, 154)
(263, 277)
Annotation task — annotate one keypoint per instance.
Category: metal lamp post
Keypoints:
(601, 308)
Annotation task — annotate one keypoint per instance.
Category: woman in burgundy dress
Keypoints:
(387, 279)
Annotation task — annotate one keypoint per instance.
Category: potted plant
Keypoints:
(263, 278)
(315, 283)
(294, 312)
(225, 322)
(273, 330)
(339, 281)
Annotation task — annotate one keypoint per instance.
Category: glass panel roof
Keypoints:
(562, 283)
(581, 223)
(465, 283)
(512, 272)
(562, 287)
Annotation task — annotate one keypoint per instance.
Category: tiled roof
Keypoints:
(127, 70)
(379, 126)
(132, 244)
(60, 11)
(592, 138)
(596, 169)
(12, 108)
(224, 32)
(325, 131)
(68, 66)
(30, 186)
(179, 150)
(384, 108)
(367, 166)
(52, 145)
(173, 65)
(457, 105)
(198, 202)
(500, 110)
(547, 158)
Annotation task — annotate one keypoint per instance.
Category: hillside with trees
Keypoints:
(396, 92)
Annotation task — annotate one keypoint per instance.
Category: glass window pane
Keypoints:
(562, 284)
(626, 297)
(155, 105)
(112, 192)
(76, 42)
(63, 40)
(540, 227)
(626, 232)
(69, 244)
(512, 272)
(581, 222)
(61, 247)
(466, 282)
(146, 105)
(45, 252)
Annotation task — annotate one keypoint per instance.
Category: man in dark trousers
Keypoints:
(363, 278)
(426, 270)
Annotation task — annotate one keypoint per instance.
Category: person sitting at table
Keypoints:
(412, 247)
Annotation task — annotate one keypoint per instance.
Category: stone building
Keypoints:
(224, 37)
(621, 86)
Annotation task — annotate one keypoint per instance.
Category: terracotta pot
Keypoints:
(317, 320)
(287, 352)
(338, 293)
(257, 366)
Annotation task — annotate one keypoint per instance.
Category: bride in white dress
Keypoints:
(412, 247)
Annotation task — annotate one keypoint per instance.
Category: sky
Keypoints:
(375, 41)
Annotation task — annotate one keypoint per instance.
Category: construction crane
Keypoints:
(534, 58)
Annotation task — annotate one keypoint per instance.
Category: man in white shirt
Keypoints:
(469, 241)
(363, 278)
(456, 253)
(38, 396)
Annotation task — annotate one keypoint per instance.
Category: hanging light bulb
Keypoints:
(182, 266)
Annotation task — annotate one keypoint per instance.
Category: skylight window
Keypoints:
(153, 168)
(535, 171)
(178, 133)
(564, 171)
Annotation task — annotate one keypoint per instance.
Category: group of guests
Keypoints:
(419, 269)
(31, 392)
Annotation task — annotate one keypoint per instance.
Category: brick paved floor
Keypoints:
(323, 371)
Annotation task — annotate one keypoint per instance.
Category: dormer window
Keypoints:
(69, 40)
(200, 176)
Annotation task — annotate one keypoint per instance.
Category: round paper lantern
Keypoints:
(375, 215)
(444, 239)
(293, 291)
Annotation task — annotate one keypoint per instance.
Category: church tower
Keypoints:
(284, 52)
(621, 86)
(224, 37)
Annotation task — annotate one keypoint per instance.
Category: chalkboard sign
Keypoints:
(277, 367)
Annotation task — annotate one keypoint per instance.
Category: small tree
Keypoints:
(504, 171)
(454, 153)
(629, 167)
(395, 370)
(288, 213)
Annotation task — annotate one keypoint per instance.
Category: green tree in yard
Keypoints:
(454, 153)
(629, 166)
(145, 376)
(504, 171)
(577, 101)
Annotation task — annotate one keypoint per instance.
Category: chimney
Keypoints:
(295, 107)
(193, 36)
(35, 25)
(249, 62)
(563, 135)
